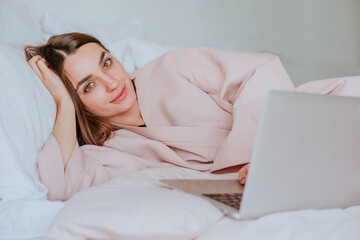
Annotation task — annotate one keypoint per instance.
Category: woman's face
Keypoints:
(101, 82)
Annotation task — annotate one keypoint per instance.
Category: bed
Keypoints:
(135, 205)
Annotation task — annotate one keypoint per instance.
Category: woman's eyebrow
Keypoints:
(83, 80)
(102, 57)
(90, 75)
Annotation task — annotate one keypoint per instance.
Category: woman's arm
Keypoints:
(65, 124)
(65, 128)
(65, 168)
(238, 82)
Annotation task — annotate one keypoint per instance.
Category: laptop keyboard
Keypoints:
(230, 199)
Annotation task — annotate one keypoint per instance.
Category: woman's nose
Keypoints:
(110, 83)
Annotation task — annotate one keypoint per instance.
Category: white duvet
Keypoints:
(137, 206)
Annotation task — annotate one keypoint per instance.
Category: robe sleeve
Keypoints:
(239, 82)
(89, 165)
(344, 86)
(262, 73)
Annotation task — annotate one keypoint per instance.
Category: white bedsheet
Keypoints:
(25, 219)
(305, 224)
(31, 219)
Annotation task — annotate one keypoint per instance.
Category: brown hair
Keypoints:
(90, 128)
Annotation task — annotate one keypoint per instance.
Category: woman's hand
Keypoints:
(243, 173)
(65, 124)
(49, 78)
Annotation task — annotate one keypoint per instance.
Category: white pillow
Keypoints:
(27, 115)
(24, 219)
(134, 206)
(135, 53)
(19, 22)
(106, 33)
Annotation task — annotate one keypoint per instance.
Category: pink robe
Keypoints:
(201, 107)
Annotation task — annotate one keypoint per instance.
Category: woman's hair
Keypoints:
(90, 129)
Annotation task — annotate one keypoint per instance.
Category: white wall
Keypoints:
(315, 39)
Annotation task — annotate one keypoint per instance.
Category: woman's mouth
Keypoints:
(120, 96)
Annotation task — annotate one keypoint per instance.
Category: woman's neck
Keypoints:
(130, 118)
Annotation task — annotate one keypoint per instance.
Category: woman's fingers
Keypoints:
(34, 59)
(52, 81)
(243, 173)
(45, 71)
(33, 64)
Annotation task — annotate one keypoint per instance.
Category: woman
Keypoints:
(194, 108)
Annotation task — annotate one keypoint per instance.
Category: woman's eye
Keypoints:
(107, 64)
(88, 87)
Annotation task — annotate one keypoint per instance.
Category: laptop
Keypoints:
(306, 156)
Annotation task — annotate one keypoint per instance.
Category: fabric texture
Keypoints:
(27, 117)
(134, 53)
(136, 206)
(106, 33)
(344, 86)
(27, 219)
(19, 21)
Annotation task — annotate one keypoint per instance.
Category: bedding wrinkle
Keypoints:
(345, 86)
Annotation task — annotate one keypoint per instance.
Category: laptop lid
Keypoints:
(306, 155)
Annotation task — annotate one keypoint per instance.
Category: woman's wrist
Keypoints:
(65, 127)
(65, 101)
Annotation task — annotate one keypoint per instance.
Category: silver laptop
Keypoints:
(306, 156)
